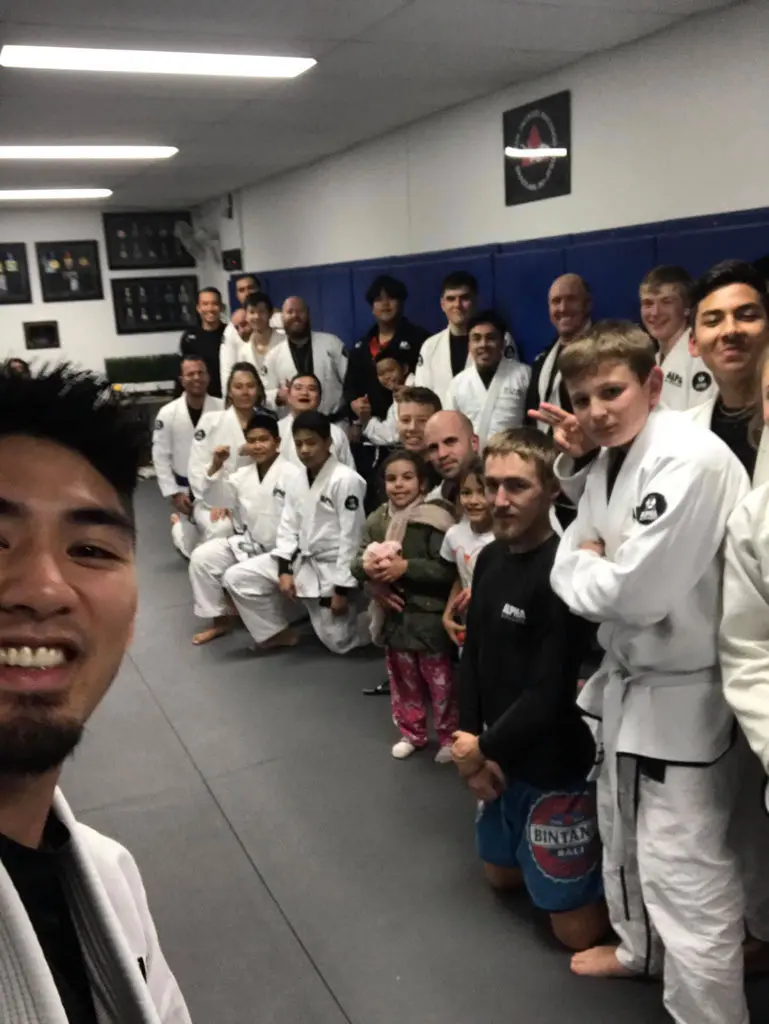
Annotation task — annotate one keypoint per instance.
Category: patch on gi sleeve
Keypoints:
(158, 424)
(421, 360)
(200, 435)
(650, 509)
(701, 381)
(351, 503)
(510, 351)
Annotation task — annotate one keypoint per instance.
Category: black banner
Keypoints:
(541, 125)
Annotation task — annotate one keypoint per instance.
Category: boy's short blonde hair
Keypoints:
(608, 341)
(669, 275)
(527, 443)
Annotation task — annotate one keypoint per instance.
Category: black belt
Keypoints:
(182, 481)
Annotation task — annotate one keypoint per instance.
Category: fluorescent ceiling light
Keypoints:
(87, 152)
(66, 58)
(10, 195)
(535, 152)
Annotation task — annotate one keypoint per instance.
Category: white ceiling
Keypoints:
(381, 64)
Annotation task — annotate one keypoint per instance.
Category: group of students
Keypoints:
(624, 501)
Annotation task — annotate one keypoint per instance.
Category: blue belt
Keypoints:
(182, 481)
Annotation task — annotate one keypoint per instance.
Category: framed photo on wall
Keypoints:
(40, 334)
(142, 241)
(14, 274)
(69, 271)
(538, 151)
(144, 305)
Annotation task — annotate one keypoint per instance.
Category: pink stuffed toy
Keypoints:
(380, 555)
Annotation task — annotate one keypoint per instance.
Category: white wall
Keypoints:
(86, 329)
(672, 126)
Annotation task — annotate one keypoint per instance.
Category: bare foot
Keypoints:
(599, 962)
(286, 638)
(221, 627)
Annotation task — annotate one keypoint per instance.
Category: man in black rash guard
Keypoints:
(523, 746)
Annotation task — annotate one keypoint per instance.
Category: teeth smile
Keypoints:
(32, 657)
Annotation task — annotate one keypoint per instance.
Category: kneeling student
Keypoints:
(644, 559)
(309, 567)
(254, 496)
(400, 555)
(523, 746)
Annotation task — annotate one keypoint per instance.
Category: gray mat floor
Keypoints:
(297, 873)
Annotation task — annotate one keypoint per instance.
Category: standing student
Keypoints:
(171, 445)
(78, 940)
(491, 392)
(205, 339)
(304, 395)
(463, 544)
(411, 631)
(260, 338)
(245, 285)
(665, 304)
(254, 497)
(446, 354)
(216, 448)
(522, 745)
(643, 559)
(391, 332)
(305, 351)
(309, 567)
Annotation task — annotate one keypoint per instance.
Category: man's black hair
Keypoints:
(305, 376)
(488, 316)
(214, 291)
(314, 421)
(80, 411)
(265, 421)
(396, 354)
(257, 299)
(248, 277)
(723, 274)
(191, 357)
(391, 286)
(762, 266)
(459, 279)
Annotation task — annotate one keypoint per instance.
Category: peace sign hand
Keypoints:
(567, 433)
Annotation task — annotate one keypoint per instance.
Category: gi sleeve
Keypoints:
(677, 530)
(162, 455)
(383, 432)
(270, 378)
(423, 377)
(229, 353)
(571, 474)
(342, 448)
(287, 538)
(348, 502)
(744, 637)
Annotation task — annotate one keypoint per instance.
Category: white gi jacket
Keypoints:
(383, 432)
(434, 364)
(744, 640)
(657, 593)
(256, 504)
(172, 442)
(329, 360)
(213, 430)
(703, 414)
(320, 529)
(118, 940)
(501, 405)
(687, 382)
(340, 446)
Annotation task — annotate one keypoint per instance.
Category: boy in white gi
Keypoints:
(644, 559)
(309, 568)
(491, 392)
(254, 496)
(305, 395)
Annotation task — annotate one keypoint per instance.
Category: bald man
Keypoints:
(569, 302)
(305, 352)
(450, 443)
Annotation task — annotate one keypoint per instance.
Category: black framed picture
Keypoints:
(69, 271)
(147, 304)
(537, 143)
(141, 241)
(14, 274)
(41, 334)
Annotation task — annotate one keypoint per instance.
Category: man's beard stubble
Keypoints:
(34, 739)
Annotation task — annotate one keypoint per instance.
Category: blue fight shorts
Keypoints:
(551, 837)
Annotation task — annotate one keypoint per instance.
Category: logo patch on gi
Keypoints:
(158, 424)
(325, 500)
(351, 503)
(200, 435)
(405, 344)
(650, 509)
(563, 836)
(674, 378)
(277, 493)
(701, 381)
(421, 361)
(510, 351)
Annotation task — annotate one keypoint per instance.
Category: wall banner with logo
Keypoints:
(537, 143)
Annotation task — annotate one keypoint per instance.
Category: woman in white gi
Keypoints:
(254, 496)
(222, 430)
(309, 567)
(643, 558)
(491, 392)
